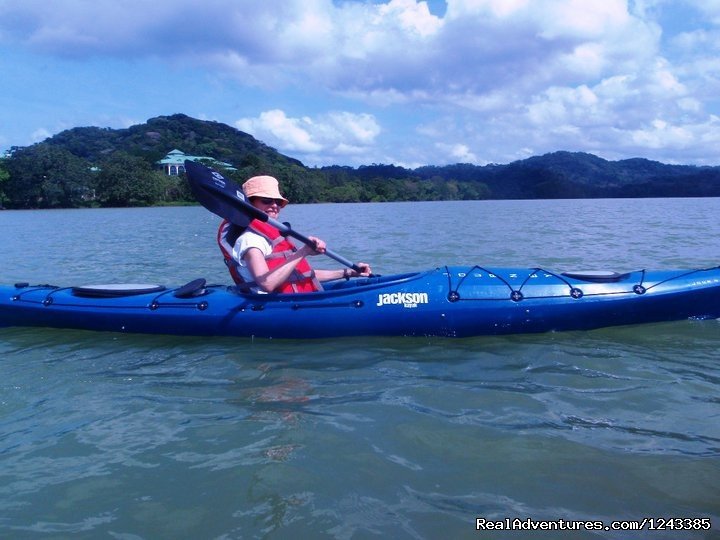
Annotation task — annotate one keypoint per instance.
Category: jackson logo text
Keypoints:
(408, 300)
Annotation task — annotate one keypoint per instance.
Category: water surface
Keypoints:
(117, 436)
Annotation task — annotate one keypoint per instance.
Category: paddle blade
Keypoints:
(221, 196)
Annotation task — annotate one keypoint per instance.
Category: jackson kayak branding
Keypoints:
(407, 300)
(218, 178)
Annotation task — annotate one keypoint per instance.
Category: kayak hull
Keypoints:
(447, 301)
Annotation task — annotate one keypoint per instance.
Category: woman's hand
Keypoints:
(319, 248)
(365, 270)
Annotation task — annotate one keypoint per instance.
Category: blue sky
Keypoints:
(382, 81)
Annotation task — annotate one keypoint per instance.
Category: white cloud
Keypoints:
(411, 16)
(323, 140)
(397, 50)
(457, 153)
(585, 19)
(39, 135)
(659, 134)
(710, 8)
(292, 134)
(678, 142)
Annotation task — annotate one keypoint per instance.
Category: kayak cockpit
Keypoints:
(332, 288)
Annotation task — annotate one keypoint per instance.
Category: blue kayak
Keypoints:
(447, 301)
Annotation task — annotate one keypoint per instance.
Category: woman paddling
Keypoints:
(269, 262)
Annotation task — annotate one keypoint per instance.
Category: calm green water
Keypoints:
(146, 437)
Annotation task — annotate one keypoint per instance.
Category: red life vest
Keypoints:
(302, 278)
(226, 236)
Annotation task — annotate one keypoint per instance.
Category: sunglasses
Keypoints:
(268, 202)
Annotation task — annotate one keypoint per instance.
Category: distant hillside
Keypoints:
(88, 166)
(154, 139)
(555, 175)
(91, 166)
(582, 175)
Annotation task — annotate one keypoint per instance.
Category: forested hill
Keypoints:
(155, 138)
(90, 166)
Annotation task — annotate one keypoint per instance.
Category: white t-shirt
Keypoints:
(245, 241)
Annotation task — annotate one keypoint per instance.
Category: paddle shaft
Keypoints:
(286, 230)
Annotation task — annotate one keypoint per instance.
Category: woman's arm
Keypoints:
(269, 280)
(347, 273)
(266, 279)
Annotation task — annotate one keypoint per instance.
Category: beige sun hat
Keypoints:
(263, 186)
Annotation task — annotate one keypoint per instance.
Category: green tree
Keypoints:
(44, 176)
(473, 191)
(177, 189)
(126, 180)
(4, 177)
(298, 184)
(349, 192)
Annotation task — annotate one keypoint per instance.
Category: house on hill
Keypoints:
(173, 164)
